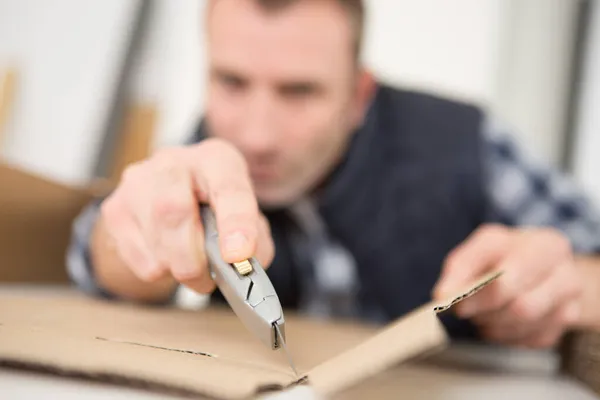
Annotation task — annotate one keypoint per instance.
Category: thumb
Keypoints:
(477, 255)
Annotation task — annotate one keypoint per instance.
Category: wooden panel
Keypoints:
(135, 143)
(8, 83)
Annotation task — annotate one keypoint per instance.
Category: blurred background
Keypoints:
(88, 86)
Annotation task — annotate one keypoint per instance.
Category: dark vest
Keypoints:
(408, 191)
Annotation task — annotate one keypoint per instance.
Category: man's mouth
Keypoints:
(263, 174)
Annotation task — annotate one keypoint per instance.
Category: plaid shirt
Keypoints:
(521, 192)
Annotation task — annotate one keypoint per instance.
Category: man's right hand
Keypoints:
(152, 223)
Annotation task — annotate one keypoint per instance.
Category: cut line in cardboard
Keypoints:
(206, 353)
(198, 353)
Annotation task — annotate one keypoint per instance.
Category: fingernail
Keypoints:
(234, 243)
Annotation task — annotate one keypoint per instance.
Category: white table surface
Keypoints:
(475, 372)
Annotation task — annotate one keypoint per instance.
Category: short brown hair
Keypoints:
(354, 8)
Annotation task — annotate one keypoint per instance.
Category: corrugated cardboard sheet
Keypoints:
(207, 352)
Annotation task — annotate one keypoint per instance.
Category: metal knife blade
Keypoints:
(281, 341)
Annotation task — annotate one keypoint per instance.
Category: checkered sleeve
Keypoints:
(524, 192)
(78, 260)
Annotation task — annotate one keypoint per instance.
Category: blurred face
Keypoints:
(285, 90)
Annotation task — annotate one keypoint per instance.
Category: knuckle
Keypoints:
(524, 310)
(197, 278)
(149, 274)
(111, 209)
(501, 294)
(132, 172)
(187, 276)
(554, 239)
(573, 284)
(234, 190)
(141, 265)
(567, 316)
(168, 164)
(220, 146)
(172, 210)
(166, 156)
(217, 147)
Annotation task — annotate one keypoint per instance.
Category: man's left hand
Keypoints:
(535, 299)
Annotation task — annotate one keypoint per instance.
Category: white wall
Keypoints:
(587, 149)
(450, 47)
(507, 54)
(533, 72)
(67, 53)
(512, 56)
(170, 68)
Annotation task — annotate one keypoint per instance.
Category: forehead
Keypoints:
(311, 36)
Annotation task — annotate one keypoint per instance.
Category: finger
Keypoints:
(559, 288)
(161, 195)
(481, 251)
(532, 261)
(550, 332)
(201, 282)
(175, 225)
(129, 241)
(550, 336)
(264, 255)
(222, 177)
(542, 340)
(265, 248)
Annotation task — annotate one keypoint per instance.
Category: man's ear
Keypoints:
(364, 90)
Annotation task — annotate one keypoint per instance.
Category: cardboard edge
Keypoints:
(105, 378)
(418, 334)
(465, 292)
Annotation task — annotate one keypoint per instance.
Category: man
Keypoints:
(363, 199)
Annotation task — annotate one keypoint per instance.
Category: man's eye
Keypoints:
(298, 90)
(232, 82)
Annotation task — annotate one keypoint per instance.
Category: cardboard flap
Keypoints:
(415, 334)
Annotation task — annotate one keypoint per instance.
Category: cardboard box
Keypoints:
(208, 352)
(35, 225)
(36, 214)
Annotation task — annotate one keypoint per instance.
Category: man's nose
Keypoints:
(259, 131)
